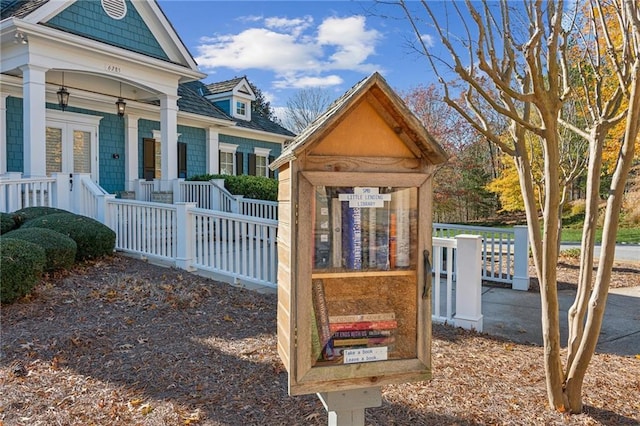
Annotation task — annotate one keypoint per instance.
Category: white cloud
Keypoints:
(428, 40)
(298, 52)
(306, 81)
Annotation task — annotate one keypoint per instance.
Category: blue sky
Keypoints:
(284, 46)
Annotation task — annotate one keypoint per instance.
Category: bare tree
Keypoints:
(512, 59)
(304, 106)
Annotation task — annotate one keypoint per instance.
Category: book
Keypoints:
(336, 234)
(382, 238)
(321, 317)
(363, 325)
(364, 234)
(403, 228)
(364, 341)
(372, 237)
(361, 333)
(351, 236)
(362, 317)
(321, 229)
(393, 254)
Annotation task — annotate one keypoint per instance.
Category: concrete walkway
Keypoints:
(516, 315)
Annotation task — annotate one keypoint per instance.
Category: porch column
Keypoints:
(34, 115)
(213, 149)
(3, 134)
(169, 136)
(131, 157)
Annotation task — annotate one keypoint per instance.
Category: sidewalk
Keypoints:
(516, 315)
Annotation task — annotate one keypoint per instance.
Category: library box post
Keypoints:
(354, 237)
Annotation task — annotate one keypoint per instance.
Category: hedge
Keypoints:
(59, 249)
(21, 266)
(28, 213)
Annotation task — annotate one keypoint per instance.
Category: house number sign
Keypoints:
(113, 68)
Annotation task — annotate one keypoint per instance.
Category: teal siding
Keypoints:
(224, 105)
(88, 19)
(15, 135)
(246, 146)
(196, 140)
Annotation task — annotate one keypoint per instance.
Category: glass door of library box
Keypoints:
(365, 271)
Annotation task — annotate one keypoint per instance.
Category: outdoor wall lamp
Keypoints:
(20, 38)
(121, 104)
(63, 96)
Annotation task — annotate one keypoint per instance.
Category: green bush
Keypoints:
(92, 237)
(21, 266)
(255, 187)
(59, 249)
(7, 223)
(24, 215)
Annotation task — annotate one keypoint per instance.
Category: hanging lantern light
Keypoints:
(63, 95)
(120, 103)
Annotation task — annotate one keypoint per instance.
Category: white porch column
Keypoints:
(169, 135)
(3, 134)
(131, 151)
(213, 160)
(521, 258)
(34, 113)
(469, 282)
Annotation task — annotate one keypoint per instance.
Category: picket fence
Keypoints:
(209, 231)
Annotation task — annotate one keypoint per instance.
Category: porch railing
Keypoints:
(505, 252)
(17, 193)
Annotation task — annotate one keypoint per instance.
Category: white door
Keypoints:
(72, 143)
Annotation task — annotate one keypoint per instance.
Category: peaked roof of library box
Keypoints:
(397, 115)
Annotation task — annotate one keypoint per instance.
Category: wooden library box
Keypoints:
(354, 237)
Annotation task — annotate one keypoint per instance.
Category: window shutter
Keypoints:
(272, 173)
(182, 160)
(252, 164)
(239, 163)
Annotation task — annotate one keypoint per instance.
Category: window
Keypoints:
(241, 108)
(261, 167)
(227, 158)
(226, 163)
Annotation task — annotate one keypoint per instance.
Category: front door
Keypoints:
(149, 159)
(72, 144)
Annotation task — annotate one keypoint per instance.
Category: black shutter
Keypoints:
(252, 164)
(272, 173)
(182, 160)
(239, 163)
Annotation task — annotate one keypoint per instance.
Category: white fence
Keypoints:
(505, 252)
(241, 249)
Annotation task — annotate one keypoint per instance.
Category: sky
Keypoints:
(285, 46)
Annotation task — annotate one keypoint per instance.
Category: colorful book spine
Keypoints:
(364, 222)
(372, 238)
(392, 240)
(403, 229)
(321, 230)
(364, 342)
(322, 317)
(361, 333)
(336, 233)
(351, 237)
(363, 325)
(382, 316)
(382, 238)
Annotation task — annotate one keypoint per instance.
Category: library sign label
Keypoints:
(352, 356)
(365, 197)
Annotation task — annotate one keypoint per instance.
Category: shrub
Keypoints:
(24, 215)
(7, 223)
(21, 266)
(255, 187)
(92, 237)
(59, 249)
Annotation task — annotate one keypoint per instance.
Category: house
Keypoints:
(109, 90)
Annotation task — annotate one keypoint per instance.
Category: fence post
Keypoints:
(469, 282)
(185, 236)
(14, 192)
(521, 258)
(60, 197)
(102, 211)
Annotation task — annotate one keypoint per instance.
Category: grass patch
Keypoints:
(624, 235)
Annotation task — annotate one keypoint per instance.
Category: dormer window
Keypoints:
(241, 109)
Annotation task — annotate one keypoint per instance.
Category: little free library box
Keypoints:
(354, 237)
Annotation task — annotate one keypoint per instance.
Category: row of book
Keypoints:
(332, 335)
(357, 238)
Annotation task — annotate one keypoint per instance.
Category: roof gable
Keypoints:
(89, 19)
(371, 101)
(143, 29)
(238, 86)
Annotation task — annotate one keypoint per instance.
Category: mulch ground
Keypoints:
(123, 342)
